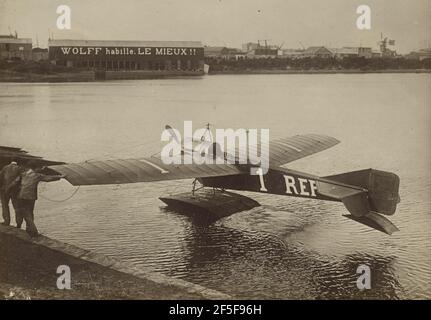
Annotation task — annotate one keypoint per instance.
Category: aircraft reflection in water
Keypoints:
(292, 272)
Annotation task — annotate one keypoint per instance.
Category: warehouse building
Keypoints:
(352, 52)
(39, 54)
(12, 47)
(173, 56)
(224, 53)
(258, 50)
(420, 55)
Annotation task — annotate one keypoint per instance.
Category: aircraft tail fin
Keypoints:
(379, 194)
(382, 188)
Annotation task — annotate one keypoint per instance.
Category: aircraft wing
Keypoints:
(138, 170)
(281, 151)
(285, 150)
(8, 154)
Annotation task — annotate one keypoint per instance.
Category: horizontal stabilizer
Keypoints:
(375, 221)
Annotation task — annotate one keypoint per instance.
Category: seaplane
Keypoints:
(368, 195)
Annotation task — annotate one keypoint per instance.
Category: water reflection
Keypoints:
(260, 265)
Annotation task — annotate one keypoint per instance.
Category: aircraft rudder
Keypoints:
(382, 188)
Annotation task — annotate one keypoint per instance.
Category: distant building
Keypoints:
(317, 52)
(366, 52)
(216, 52)
(292, 53)
(389, 53)
(257, 50)
(224, 53)
(39, 54)
(420, 54)
(11, 47)
(384, 50)
(376, 54)
(236, 54)
(128, 55)
(346, 52)
(249, 46)
(266, 52)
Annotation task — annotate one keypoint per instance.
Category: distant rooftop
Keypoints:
(214, 49)
(346, 50)
(123, 43)
(10, 39)
(40, 49)
(316, 49)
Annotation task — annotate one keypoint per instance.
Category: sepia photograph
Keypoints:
(232, 151)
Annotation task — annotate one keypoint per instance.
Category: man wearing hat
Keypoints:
(9, 192)
(27, 195)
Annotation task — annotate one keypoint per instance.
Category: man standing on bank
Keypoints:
(27, 194)
(8, 175)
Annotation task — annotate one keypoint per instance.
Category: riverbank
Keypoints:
(30, 77)
(28, 271)
(329, 71)
(88, 76)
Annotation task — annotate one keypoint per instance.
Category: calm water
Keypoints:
(288, 247)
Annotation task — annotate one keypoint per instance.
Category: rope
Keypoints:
(63, 200)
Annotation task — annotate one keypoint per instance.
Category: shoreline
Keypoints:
(92, 76)
(28, 270)
(329, 71)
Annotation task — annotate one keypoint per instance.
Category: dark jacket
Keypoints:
(8, 175)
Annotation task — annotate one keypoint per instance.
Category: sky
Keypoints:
(291, 23)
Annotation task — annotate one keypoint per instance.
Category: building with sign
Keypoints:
(154, 56)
